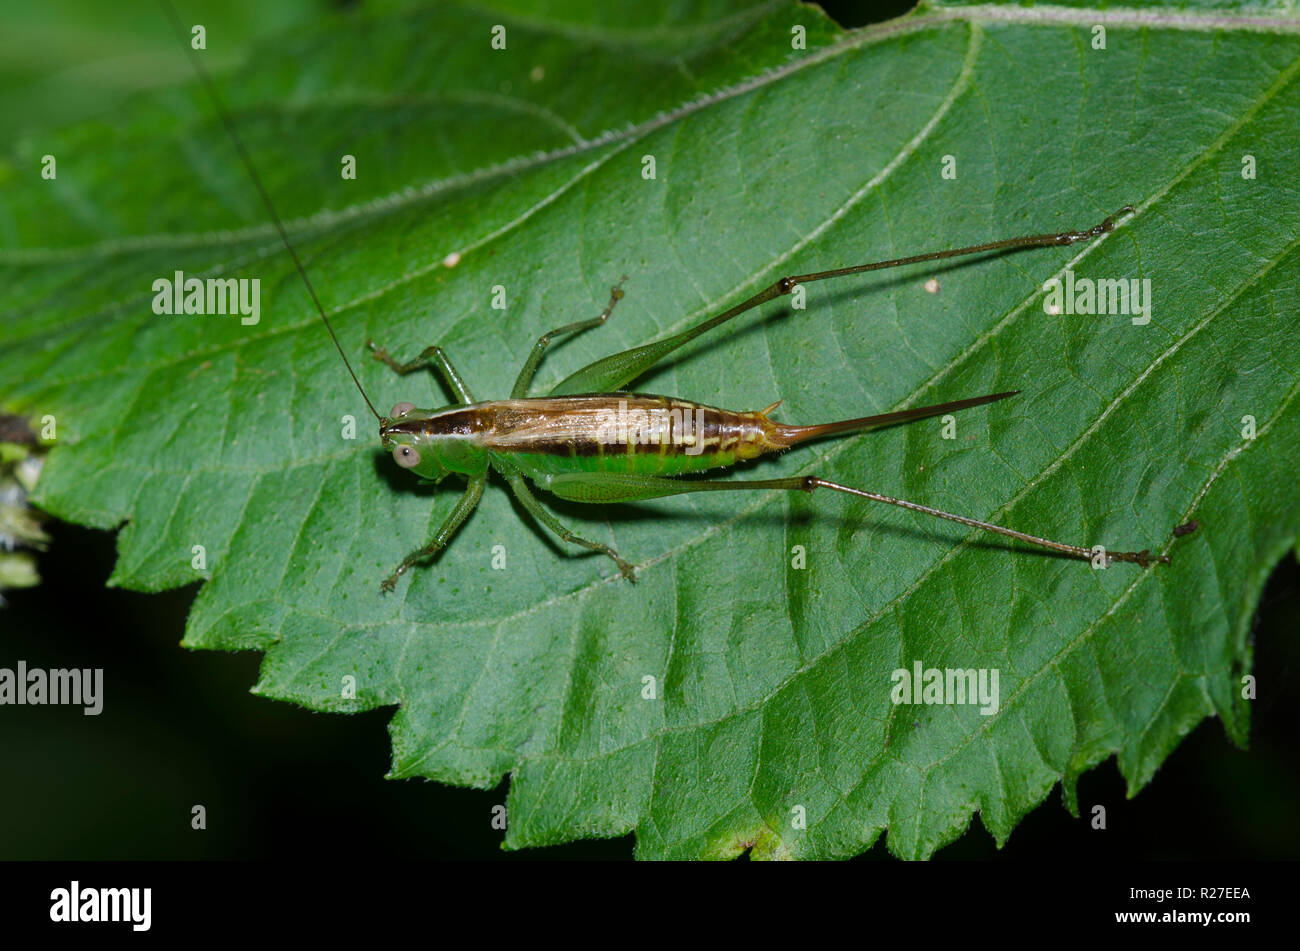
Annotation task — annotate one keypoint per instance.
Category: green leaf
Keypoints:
(65, 60)
(772, 684)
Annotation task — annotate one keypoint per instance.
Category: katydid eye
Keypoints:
(406, 457)
(400, 410)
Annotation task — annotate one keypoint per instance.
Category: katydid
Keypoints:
(588, 440)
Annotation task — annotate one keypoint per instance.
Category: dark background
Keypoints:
(180, 728)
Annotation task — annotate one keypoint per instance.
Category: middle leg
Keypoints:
(539, 512)
(529, 369)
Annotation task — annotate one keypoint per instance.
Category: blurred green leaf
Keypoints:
(62, 61)
(771, 683)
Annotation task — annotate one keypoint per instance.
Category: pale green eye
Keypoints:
(406, 457)
(400, 410)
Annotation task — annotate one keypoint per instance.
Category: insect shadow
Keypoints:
(547, 441)
(883, 284)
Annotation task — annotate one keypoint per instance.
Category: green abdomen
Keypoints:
(618, 459)
(625, 433)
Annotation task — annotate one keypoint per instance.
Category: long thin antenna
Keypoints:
(211, 87)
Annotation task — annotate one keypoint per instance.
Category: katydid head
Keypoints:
(433, 442)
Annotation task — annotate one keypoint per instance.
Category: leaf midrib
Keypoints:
(1043, 16)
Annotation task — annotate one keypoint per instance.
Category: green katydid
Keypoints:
(589, 441)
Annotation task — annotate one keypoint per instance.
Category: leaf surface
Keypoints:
(770, 684)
